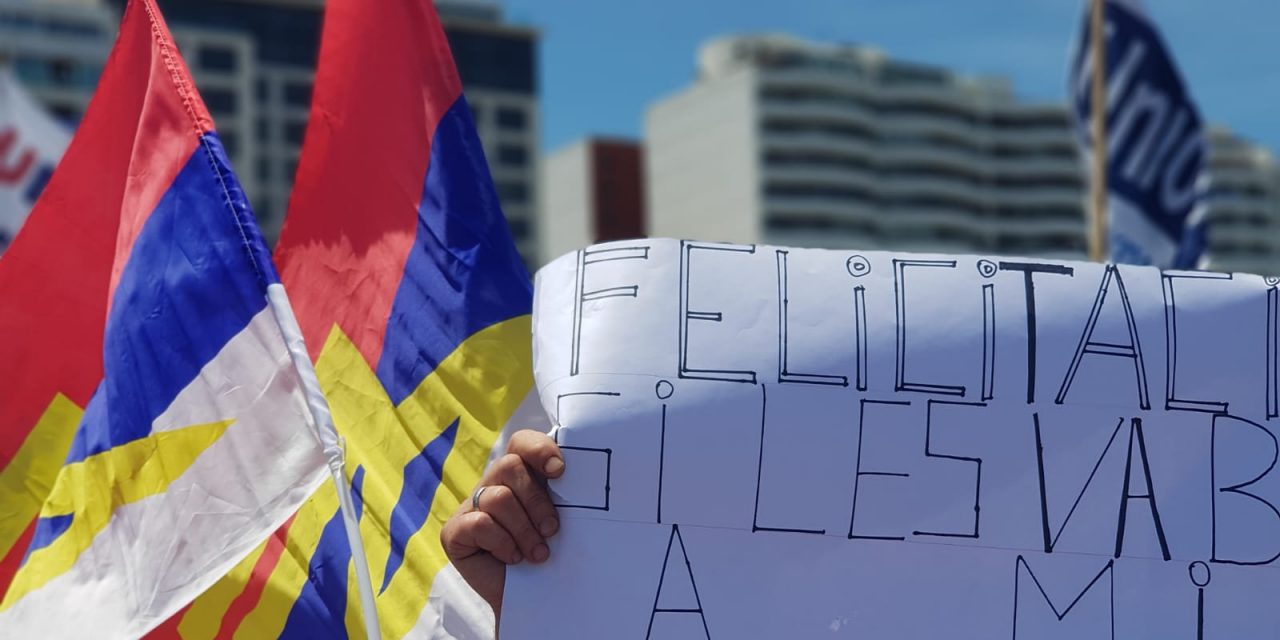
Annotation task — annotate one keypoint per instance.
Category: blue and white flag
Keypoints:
(31, 141)
(1156, 147)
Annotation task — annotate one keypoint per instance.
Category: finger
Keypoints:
(500, 501)
(477, 532)
(510, 470)
(539, 451)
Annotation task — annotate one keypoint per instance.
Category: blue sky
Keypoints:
(604, 61)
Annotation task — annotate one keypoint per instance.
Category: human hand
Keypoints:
(508, 518)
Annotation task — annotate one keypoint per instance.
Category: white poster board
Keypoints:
(786, 443)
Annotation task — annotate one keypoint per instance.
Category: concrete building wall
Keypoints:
(1244, 206)
(702, 162)
(592, 191)
(567, 208)
(508, 126)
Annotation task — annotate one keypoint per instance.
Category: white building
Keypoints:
(788, 142)
(591, 191)
(1244, 206)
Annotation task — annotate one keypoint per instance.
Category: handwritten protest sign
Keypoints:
(786, 443)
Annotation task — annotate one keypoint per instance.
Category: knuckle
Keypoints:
(508, 464)
(503, 545)
(539, 502)
(538, 496)
(525, 531)
(474, 522)
(519, 439)
(531, 445)
(454, 531)
(499, 494)
(544, 445)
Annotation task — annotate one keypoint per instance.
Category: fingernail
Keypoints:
(540, 553)
(548, 527)
(553, 466)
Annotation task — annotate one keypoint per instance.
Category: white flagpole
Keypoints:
(333, 450)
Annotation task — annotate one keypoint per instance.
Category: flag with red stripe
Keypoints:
(416, 307)
(154, 426)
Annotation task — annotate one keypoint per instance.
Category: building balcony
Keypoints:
(817, 112)
(801, 176)
(819, 143)
(902, 187)
(923, 127)
(1057, 197)
(974, 164)
(1047, 166)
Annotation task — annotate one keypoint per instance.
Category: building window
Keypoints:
(489, 60)
(230, 143)
(297, 95)
(519, 228)
(31, 71)
(513, 193)
(513, 155)
(264, 169)
(512, 119)
(261, 90)
(220, 101)
(217, 59)
(264, 210)
(476, 113)
(63, 71)
(294, 132)
(263, 128)
(66, 113)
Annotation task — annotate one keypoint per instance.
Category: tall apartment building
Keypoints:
(788, 142)
(1244, 206)
(57, 50)
(592, 191)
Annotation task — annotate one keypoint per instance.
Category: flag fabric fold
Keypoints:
(415, 304)
(1157, 178)
(195, 440)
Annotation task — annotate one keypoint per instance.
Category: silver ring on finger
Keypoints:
(475, 497)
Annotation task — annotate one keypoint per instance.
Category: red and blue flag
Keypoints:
(153, 426)
(415, 305)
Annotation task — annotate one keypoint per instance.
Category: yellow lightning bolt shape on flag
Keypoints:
(26, 481)
(480, 384)
(92, 489)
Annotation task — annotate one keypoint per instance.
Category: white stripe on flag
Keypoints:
(239, 490)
